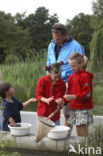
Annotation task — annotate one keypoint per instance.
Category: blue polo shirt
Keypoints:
(11, 110)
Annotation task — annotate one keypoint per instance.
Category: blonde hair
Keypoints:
(80, 59)
(55, 68)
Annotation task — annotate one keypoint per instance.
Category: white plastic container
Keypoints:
(59, 132)
(20, 131)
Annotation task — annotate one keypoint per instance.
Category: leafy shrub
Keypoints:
(11, 59)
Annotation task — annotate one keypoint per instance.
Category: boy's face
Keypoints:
(10, 92)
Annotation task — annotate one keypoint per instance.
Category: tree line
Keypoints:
(24, 36)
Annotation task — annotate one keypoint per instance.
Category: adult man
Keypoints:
(60, 48)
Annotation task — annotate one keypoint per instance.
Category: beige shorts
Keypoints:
(79, 117)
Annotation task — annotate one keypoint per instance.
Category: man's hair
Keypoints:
(59, 28)
(3, 88)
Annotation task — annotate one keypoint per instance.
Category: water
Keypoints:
(42, 153)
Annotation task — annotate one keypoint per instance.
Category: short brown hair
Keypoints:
(55, 67)
(3, 88)
(59, 28)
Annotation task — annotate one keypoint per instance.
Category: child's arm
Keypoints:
(46, 100)
(40, 92)
(69, 97)
(12, 122)
(83, 95)
(86, 92)
(29, 101)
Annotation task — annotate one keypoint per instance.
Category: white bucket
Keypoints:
(59, 132)
(20, 131)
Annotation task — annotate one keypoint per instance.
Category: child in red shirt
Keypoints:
(50, 91)
(80, 94)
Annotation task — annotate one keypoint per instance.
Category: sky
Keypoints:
(65, 9)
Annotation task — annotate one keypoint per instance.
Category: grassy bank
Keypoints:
(98, 99)
(24, 78)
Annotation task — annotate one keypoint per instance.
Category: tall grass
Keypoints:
(24, 77)
(98, 99)
(91, 145)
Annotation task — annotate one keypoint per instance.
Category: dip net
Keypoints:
(44, 125)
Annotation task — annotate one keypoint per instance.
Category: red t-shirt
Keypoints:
(80, 85)
(46, 89)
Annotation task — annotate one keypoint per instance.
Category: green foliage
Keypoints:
(39, 25)
(24, 77)
(96, 44)
(94, 140)
(97, 17)
(97, 7)
(6, 149)
(11, 59)
(81, 29)
(98, 99)
(13, 39)
(21, 35)
(96, 48)
(98, 95)
(1, 107)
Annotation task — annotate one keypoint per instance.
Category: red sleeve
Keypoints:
(69, 85)
(86, 90)
(40, 89)
(62, 92)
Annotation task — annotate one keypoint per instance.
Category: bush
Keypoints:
(6, 149)
(11, 59)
